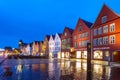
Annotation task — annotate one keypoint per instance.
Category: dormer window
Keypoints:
(104, 19)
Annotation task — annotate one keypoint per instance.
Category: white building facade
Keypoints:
(51, 46)
(57, 42)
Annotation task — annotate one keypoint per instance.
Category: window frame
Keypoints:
(111, 38)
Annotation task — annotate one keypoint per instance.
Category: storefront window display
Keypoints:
(78, 54)
(98, 55)
(67, 54)
(84, 54)
(62, 54)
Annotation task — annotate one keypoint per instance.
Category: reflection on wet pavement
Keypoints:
(56, 70)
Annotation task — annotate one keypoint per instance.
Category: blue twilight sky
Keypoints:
(31, 20)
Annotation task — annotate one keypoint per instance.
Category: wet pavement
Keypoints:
(45, 69)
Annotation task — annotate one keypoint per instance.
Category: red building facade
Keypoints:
(80, 38)
(66, 44)
(106, 36)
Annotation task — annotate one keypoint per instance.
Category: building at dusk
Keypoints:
(45, 46)
(24, 48)
(80, 38)
(40, 48)
(57, 41)
(51, 46)
(103, 34)
(106, 36)
(2, 53)
(35, 48)
(66, 44)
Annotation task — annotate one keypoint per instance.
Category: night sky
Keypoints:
(31, 20)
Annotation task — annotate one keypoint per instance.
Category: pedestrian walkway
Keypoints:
(105, 63)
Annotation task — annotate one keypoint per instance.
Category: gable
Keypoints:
(67, 33)
(105, 11)
(51, 39)
(57, 37)
(81, 26)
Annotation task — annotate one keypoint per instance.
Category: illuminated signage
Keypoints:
(101, 48)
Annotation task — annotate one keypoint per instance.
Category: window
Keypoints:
(100, 41)
(80, 28)
(65, 34)
(86, 34)
(75, 44)
(98, 54)
(69, 40)
(100, 30)
(95, 42)
(87, 41)
(75, 37)
(63, 41)
(68, 46)
(82, 35)
(105, 29)
(95, 32)
(112, 39)
(112, 27)
(104, 19)
(105, 40)
(80, 43)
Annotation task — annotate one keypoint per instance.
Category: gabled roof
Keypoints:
(69, 29)
(48, 37)
(37, 41)
(60, 35)
(41, 41)
(53, 37)
(89, 24)
(105, 11)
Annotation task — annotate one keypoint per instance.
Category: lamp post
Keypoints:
(89, 75)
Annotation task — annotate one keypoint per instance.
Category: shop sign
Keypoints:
(103, 48)
(82, 49)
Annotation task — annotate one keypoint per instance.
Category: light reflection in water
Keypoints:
(19, 68)
(52, 69)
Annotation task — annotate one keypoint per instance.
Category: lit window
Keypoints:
(100, 30)
(112, 39)
(100, 41)
(105, 40)
(65, 34)
(98, 54)
(95, 32)
(112, 27)
(105, 29)
(104, 19)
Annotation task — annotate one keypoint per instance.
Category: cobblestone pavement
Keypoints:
(54, 69)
